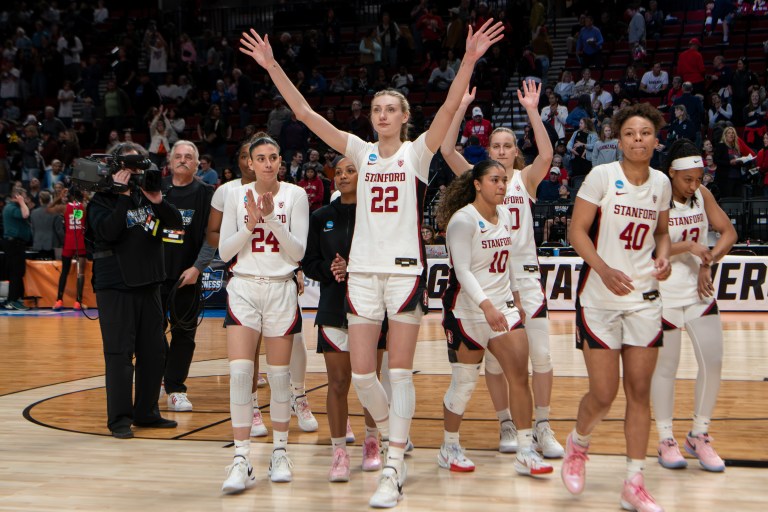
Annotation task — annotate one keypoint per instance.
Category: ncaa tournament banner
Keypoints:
(740, 283)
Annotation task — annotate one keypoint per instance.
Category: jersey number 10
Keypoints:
(499, 263)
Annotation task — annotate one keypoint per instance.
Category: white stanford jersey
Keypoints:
(390, 206)
(622, 232)
(523, 252)
(222, 193)
(686, 222)
(480, 262)
(263, 255)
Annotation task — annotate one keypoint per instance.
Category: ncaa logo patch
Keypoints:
(619, 184)
(482, 224)
(372, 157)
(213, 280)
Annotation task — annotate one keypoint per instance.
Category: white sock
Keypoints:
(297, 389)
(339, 442)
(279, 440)
(581, 440)
(395, 456)
(541, 414)
(634, 466)
(255, 399)
(524, 439)
(700, 425)
(243, 448)
(504, 415)
(665, 429)
(371, 432)
(450, 437)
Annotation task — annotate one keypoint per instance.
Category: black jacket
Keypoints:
(127, 246)
(330, 232)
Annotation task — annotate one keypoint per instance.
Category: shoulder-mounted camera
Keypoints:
(95, 173)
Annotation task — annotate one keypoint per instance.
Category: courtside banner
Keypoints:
(740, 282)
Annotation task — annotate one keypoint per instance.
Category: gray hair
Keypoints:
(185, 143)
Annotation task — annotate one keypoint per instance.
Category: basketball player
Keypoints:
(386, 262)
(74, 243)
(620, 219)
(328, 244)
(478, 308)
(307, 421)
(265, 226)
(689, 301)
(521, 194)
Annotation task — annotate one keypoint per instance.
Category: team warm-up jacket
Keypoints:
(330, 232)
(126, 234)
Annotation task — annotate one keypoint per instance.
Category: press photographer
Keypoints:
(124, 225)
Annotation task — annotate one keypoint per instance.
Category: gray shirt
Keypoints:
(43, 231)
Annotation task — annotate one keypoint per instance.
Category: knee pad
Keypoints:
(492, 365)
(240, 403)
(463, 381)
(408, 317)
(280, 393)
(298, 364)
(358, 320)
(403, 404)
(538, 344)
(371, 395)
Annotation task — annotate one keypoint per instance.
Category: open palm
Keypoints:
(257, 48)
(479, 42)
(529, 97)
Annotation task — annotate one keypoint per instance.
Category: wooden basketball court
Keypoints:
(56, 452)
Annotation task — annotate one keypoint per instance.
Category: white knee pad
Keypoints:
(371, 395)
(537, 330)
(403, 404)
(298, 366)
(240, 403)
(280, 393)
(463, 381)
(408, 317)
(360, 320)
(492, 365)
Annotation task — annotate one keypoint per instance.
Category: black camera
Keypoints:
(94, 173)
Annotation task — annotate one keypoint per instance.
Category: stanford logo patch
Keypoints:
(654, 199)
(517, 187)
(280, 205)
(400, 162)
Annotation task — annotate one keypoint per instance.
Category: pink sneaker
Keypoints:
(573, 471)
(700, 447)
(340, 467)
(258, 429)
(635, 497)
(670, 456)
(371, 457)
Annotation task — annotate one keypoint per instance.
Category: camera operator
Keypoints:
(186, 256)
(125, 226)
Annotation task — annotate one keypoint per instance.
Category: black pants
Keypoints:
(15, 267)
(66, 263)
(183, 313)
(132, 323)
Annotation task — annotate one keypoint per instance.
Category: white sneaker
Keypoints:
(350, 433)
(390, 489)
(179, 402)
(528, 462)
(300, 408)
(408, 446)
(451, 456)
(239, 476)
(508, 437)
(258, 429)
(280, 466)
(544, 441)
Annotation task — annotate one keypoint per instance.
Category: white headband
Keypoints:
(687, 162)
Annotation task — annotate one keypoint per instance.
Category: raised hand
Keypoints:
(479, 42)
(253, 209)
(257, 48)
(267, 203)
(530, 98)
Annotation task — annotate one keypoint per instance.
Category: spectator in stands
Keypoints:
(66, 98)
(362, 84)
(388, 33)
(206, 173)
(693, 106)
(331, 34)
(555, 114)
(454, 61)
(329, 166)
(636, 30)
(69, 148)
(11, 113)
(575, 30)
(50, 123)
(474, 152)
(158, 56)
(655, 82)
(70, 47)
(542, 48)
(313, 163)
(294, 137)
(318, 86)
(583, 109)
(682, 127)
(283, 175)
(301, 83)
(214, 132)
(359, 124)
(222, 97)
(721, 75)
(707, 149)
(441, 77)
(17, 234)
(295, 168)
(631, 83)
(589, 44)
(580, 146)
(618, 93)
(565, 86)
(741, 82)
(762, 164)
(330, 116)
(43, 228)
(690, 66)
(112, 141)
(527, 144)
(606, 148)
(381, 81)
(29, 145)
(431, 28)
(168, 90)
(228, 175)
(159, 143)
(427, 234)
(549, 189)
(313, 186)
(557, 161)
(176, 123)
(584, 86)
(729, 157)
(654, 20)
(341, 83)
(723, 10)
(454, 33)
(497, 65)
(598, 94)
(53, 174)
(674, 92)
(402, 81)
(718, 111)
(188, 54)
(477, 126)
(754, 121)
(278, 116)
(370, 51)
